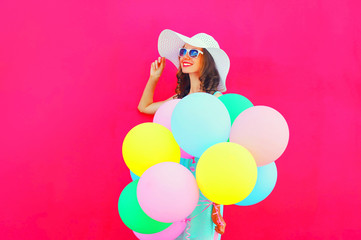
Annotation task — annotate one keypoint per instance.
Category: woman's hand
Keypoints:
(218, 219)
(157, 67)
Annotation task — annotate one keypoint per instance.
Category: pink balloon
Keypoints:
(170, 233)
(167, 192)
(163, 116)
(263, 131)
(164, 113)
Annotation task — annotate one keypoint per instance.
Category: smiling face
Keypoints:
(191, 65)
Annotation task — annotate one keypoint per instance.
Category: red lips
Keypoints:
(186, 64)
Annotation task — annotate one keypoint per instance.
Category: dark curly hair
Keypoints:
(209, 77)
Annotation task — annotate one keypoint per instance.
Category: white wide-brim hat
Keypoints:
(169, 43)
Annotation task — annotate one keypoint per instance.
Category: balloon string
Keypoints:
(188, 220)
(192, 162)
(208, 205)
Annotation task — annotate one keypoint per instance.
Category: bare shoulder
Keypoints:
(172, 97)
(218, 94)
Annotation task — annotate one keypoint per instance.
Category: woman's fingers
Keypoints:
(157, 66)
(219, 230)
(162, 62)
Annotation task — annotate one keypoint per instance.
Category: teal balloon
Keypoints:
(133, 216)
(235, 104)
(266, 181)
(199, 121)
(133, 176)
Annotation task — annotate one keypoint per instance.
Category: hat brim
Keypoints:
(169, 43)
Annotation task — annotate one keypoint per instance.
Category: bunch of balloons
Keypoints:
(235, 141)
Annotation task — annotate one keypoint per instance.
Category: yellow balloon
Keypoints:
(226, 173)
(148, 144)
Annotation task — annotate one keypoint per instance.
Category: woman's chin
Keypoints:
(185, 70)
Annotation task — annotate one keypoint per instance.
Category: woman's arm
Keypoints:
(146, 104)
(218, 219)
(218, 94)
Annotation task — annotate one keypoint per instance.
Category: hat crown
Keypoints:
(206, 40)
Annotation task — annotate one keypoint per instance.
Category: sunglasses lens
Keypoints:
(193, 53)
(182, 52)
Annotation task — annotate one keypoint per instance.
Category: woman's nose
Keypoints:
(186, 56)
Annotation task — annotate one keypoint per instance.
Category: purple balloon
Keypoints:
(168, 192)
(172, 232)
(163, 117)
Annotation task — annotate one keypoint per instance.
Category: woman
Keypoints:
(202, 67)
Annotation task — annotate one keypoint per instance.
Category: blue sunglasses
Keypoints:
(193, 53)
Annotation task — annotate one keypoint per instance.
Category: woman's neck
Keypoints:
(195, 83)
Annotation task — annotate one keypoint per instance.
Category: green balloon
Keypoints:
(235, 104)
(133, 216)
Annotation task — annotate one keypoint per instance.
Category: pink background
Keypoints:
(72, 73)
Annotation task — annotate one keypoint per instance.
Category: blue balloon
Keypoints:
(133, 176)
(266, 181)
(199, 121)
